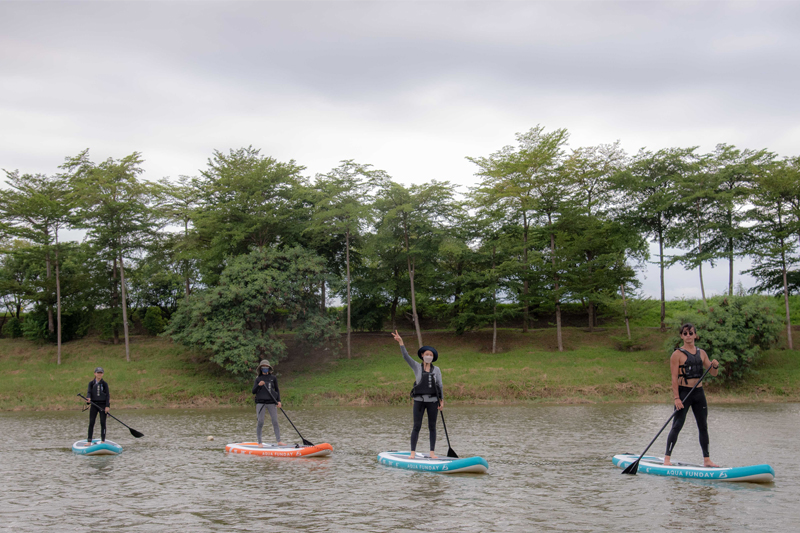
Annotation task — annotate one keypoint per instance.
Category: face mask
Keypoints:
(264, 370)
(427, 358)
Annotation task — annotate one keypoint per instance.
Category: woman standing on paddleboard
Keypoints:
(268, 398)
(687, 364)
(427, 391)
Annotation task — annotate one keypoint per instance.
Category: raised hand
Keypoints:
(397, 338)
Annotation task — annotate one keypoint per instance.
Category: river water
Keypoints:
(549, 470)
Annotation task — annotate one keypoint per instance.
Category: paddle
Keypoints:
(450, 452)
(135, 433)
(307, 443)
(634, 466)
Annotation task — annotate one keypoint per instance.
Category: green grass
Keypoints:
(528, 369)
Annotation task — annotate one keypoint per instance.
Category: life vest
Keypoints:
(693, 367)
(426, 385)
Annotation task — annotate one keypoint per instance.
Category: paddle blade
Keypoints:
(307, 443)
(451, 453)
(136, 434)
(632, 468)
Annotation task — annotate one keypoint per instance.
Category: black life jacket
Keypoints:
(99, 391)
(426, 385)
(693, 367)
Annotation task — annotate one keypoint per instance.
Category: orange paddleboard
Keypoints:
(273, 450)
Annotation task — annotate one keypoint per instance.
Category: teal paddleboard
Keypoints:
(442, 465)
(655, 466)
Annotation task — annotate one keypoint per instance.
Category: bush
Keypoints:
(734, 330)
(153, 321)
(74, 325)
(12, 328)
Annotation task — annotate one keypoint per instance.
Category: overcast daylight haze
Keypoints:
(409, 87)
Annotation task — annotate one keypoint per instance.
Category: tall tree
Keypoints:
(416, 216)
(526, 182)
(649, 188)
(773, 247)
(342, 210)
(735, 172)
(114, 206)
(179, 203)
(248, 201)
(35, 207)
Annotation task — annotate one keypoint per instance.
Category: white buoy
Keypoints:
(210, 438)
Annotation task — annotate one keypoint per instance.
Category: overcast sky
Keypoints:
(410, 87)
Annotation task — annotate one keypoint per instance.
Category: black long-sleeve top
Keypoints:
(98, 392)
(263, 392)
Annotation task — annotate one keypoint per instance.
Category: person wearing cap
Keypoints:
(97, 394)
(427, 391)
(268, 398)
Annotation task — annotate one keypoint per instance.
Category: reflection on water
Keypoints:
(549, 469)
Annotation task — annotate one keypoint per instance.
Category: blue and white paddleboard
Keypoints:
(655, 466)
(443, 465)
(82, 447)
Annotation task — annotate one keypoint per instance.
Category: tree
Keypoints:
(773, 247)
(179, 203)
(415, 216)
(648, 185)
(113, 205)
(525, 181)
(342, 209)
(35, 208)
(237, 320)
(735, 172)
(247, 201)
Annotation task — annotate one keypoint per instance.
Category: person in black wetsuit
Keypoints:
(687, 364)
(97, 393)
(427, 391)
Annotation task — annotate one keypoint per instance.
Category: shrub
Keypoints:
(12, 328)
(734, 330)
(153, 321)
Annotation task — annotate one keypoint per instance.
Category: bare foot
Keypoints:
(432, 455)
(413, 454)
(709, 463)
(667, 461)
(260, 445)
(281, 444)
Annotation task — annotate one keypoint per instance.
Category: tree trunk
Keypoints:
(50, 325)
(414, 301)
(124, 310)
(393, 312)
(186, 262)
(661, 266)
(322, 296)
(494, 300)
(625, 309)
(525, 287)
(555, 274)
(786, 298)
(591, 317)
(730, 267)
(700, 265)
(58, 302)
(347, 247)
(114, 302)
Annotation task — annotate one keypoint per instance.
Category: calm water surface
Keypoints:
(549, 470)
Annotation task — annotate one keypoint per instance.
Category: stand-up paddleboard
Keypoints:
(655, 466)
(82, 447)
(273, 450)
(444, 465)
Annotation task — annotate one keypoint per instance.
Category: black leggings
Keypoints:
(419, 410)
(697, 401)
(93, 411)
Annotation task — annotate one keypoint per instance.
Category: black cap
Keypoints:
(99, 369)
(425, 349)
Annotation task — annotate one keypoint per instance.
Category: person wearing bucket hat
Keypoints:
(268, 399)
(97, 394)
(427, 391)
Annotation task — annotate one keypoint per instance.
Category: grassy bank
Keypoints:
(528, 369)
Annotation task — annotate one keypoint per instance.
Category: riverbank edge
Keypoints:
(164, 375)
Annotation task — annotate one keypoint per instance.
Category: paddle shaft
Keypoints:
(135, 433)
(450, 452)
(631, 469)
(307, 443)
